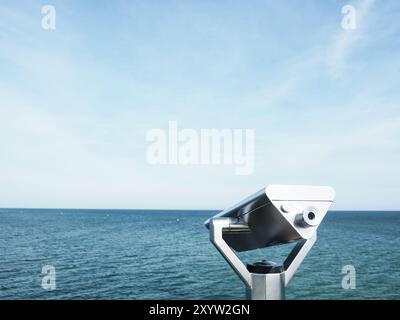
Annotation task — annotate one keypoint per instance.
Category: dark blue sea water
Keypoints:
(134, 254)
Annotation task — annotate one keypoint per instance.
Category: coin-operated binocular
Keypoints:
(275, 215)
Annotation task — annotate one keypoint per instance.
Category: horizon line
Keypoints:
(141, 209)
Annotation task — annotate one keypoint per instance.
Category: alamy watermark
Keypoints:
(349, 20)
(49, 17)
(49, 280)
(202, 147)
(349, 280)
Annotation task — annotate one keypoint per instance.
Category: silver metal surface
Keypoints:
(267, 287)
(296, 257)
(275, 215)
(278, 214)
(217, 227)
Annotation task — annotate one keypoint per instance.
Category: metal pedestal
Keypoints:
(266, 287)
(267, 283)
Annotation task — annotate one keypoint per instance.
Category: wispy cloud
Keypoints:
(345, 39)
(75, 104)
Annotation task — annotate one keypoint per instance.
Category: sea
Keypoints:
(166, 254)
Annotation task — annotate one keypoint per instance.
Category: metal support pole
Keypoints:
(259, 286)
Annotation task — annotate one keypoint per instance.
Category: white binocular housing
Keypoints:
(275, 215)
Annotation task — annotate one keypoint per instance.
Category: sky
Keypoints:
(76, 102)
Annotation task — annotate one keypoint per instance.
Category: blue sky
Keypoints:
(76, 102)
